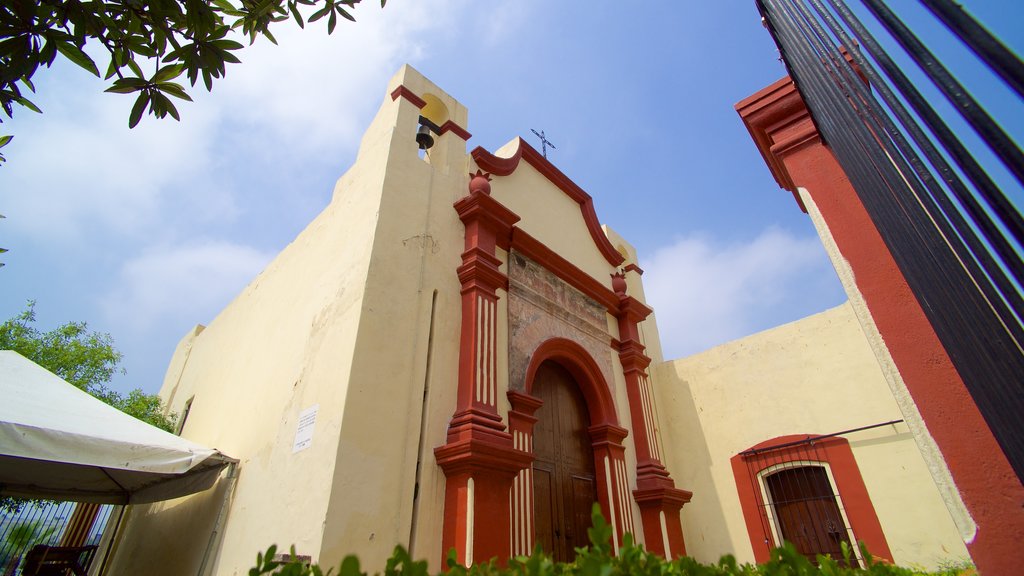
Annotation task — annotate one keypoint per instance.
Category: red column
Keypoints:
(612, 482)
(782, 128)
(520, 423)
(656, 494)
(479, 458)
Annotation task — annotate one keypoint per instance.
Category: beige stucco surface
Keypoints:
(814, 376)
(359, 316)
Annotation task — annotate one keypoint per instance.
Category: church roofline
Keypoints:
(505, 166)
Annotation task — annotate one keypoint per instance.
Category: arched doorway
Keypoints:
(563, 470)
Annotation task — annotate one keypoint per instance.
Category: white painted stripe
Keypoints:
(627, 510)
(664, 536)
(494, 353)
(519, 514)
(486, 367)
(645, 401)
(512, 519)
(470, 504)
(611, 503)
(489, 393)
(476, 345)
(528, 505)
(623, 500)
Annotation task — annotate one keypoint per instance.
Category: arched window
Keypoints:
(807, 490)
(803, 507)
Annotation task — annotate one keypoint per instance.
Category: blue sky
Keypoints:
(144, 233)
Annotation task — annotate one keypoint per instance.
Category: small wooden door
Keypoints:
(806, 510)
(563, 472)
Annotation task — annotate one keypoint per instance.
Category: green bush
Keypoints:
(599, 560)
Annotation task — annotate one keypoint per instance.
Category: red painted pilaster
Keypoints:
(656, 494)
(479, 458)
(612, 482)
(781, 127)
(520, 423)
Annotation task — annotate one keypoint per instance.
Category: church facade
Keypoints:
(455, 354)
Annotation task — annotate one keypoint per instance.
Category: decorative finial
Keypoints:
(619, 283)
(480, 181)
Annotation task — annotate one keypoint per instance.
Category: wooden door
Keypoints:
(563, 472)
(806, 511)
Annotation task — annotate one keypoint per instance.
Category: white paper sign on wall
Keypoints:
(304, 431)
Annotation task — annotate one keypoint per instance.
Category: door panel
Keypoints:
(544, 506)
(807, 512)
(564, 487)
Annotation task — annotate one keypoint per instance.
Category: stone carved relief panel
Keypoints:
(542, 306)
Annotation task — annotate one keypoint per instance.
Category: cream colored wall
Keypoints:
(814, 376)
(418, 245)
(321, 326)
(360, 315)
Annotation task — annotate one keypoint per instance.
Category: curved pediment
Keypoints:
(499, 166)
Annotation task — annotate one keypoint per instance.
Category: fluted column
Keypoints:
(656, 495)
(479, 458)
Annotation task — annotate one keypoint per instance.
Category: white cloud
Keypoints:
(706, 292)
(78, 174)
(179, 285)
(79, 167)
(311, 89)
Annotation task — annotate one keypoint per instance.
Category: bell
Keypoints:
(423, 137)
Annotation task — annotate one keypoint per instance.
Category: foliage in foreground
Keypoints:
(598, 559)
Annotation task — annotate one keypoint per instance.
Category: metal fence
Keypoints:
(937, 172)
(27, 523)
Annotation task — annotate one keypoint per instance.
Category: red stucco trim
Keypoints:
(506, 166)
(454, 128)
(584, 369)
(633, 268)
(779, 123)
(404, 92)
(852, 491)
(538, 252)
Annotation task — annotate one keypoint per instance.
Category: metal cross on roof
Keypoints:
(544, 142)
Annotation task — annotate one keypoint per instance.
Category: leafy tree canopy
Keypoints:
(146, 44)
(82, 357)
(85, 359)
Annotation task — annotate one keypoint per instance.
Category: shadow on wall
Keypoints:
(184, 526)
(705, 528)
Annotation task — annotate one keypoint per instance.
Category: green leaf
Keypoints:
(227, 44)
(4, 140)
(138, 109)
(350, 567)
(345, 13)
(175, 90)
(75, 54)
(127, 85)
(320, 13)
(166, 73)
(27, 104)
(332, 21)
(166, 106)
(294, 9)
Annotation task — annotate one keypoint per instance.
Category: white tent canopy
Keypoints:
(59, 442)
